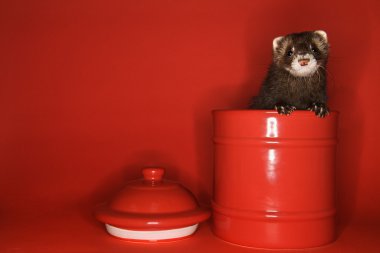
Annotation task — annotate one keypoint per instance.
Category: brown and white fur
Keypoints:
(296, 79)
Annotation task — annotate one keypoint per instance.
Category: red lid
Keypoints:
(152, 203)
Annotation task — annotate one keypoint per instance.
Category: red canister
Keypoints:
(274, 178)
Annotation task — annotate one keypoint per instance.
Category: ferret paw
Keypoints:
(284, 109)
(320, 109)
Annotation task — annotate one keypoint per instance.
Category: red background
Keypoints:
(92, 91)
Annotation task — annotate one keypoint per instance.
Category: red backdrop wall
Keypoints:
(91, 91)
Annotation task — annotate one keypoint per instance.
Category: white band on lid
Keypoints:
(154, 235)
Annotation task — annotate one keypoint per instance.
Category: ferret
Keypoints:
(297, 76)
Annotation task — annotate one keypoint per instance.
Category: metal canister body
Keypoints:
(274, 178)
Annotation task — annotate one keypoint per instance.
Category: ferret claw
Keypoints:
(320, 109)
(284, 109)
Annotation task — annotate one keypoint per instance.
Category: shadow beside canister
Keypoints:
(274, 178)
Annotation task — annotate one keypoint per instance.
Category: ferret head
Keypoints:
(301, 53)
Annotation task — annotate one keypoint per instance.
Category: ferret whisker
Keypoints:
(325, 69)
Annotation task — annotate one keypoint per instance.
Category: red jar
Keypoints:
(274, 178)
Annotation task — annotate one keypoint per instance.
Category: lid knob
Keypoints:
(153, 175)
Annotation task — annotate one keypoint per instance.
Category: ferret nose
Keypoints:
(304, 62)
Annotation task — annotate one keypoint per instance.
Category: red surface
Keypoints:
(91, 91)
(71, 232)
(274, 178)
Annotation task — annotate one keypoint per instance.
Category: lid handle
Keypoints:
(153, 175)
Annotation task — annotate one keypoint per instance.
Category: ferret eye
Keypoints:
(313, 49)
(289, 53)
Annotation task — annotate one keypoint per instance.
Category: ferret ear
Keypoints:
(322, 33)
(276, 42)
